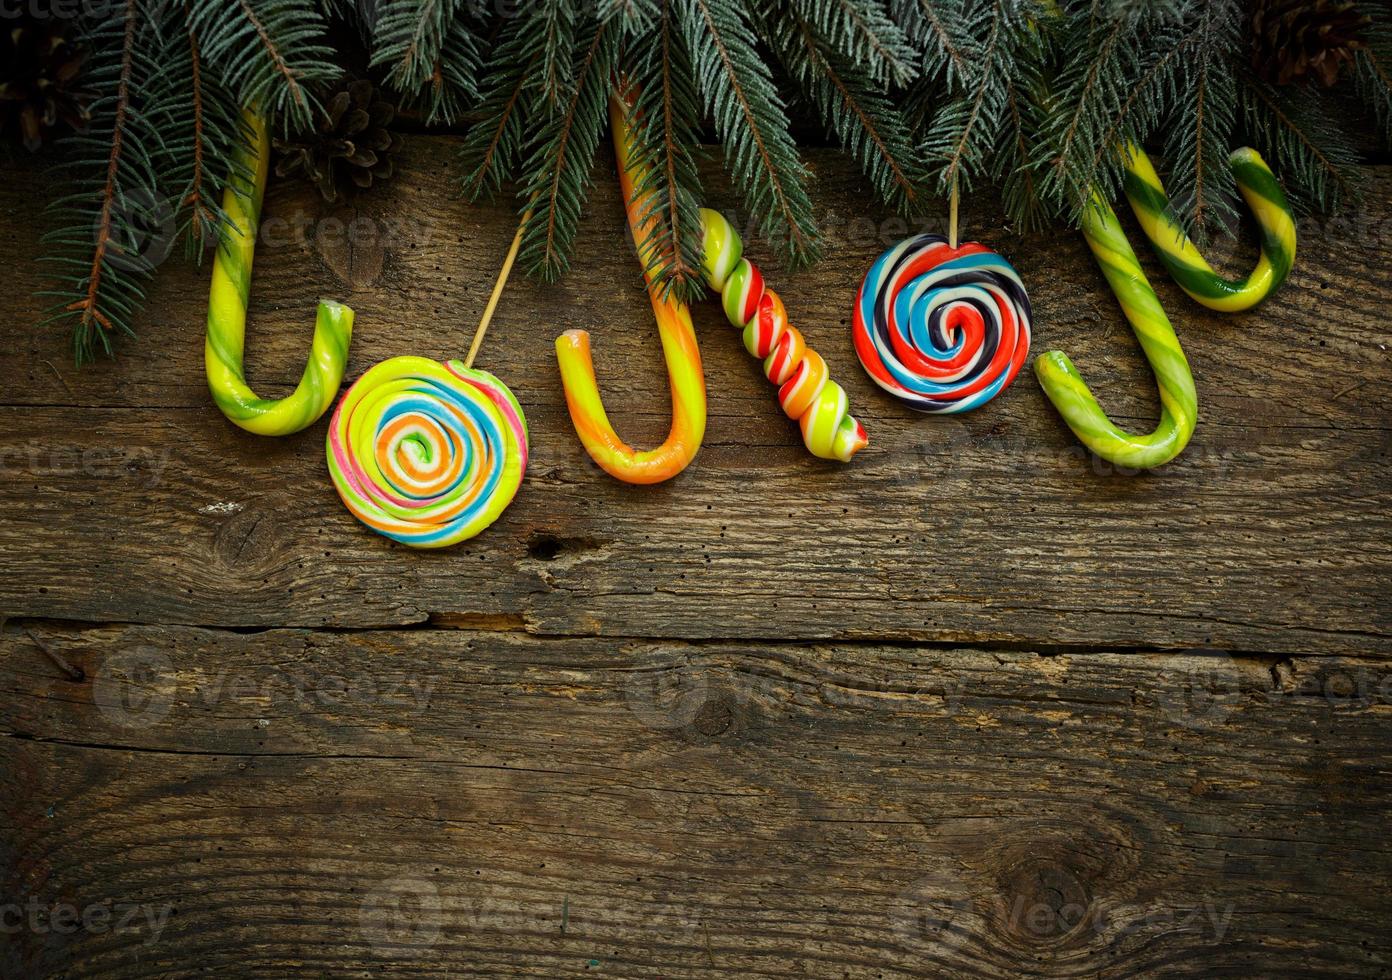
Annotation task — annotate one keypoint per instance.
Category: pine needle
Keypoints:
(852, 106)
(752, 125)
(562, 158)
(664, 123)
(430, 53)
(113, 186)
(275, 74)
(493, 145)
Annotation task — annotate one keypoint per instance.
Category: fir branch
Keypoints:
(205, 126)
(87, 307)
(1372, 74)
(1019, 193)
(549, 39)
(1080, 93)
(561, 160)
(861, 32)
(1025, 98)
(752, 125)
(454, 74)
(665, 125)
(275, 74)
(105, 238)
(1123, 123)
(430, 52)
(1132, 121)
(493, 144)
(931, 26)
(1316, 162)
(852, 106)
(963, 131)
(1119, 63)
(202, 221)
(1202, 122)
(407, 37)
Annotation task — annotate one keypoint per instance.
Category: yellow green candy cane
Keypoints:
(1179, 403)
(227, 311)
(1178, 399)
(1190, 270)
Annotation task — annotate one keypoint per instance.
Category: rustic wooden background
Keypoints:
(973, 705)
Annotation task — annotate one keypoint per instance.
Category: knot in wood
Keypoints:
(249, 541)
(1046, 903)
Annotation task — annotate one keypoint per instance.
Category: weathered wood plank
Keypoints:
(1271, 533)
(447, 803)
(192, 524)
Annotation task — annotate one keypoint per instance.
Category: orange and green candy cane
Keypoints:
(1187, 266)
(227, 312)
(679, 349)
(1179, 403)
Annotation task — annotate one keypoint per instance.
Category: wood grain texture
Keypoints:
(450, 803)
(973, 705)
(1270, 533)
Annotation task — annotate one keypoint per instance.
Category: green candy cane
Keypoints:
(1179, 403)
(1178, 399)
(1190, 270)
(227, 311)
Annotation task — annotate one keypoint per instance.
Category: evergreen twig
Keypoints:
(1025, 99)
(1118, 63)
(862, 32)
(204, 129)
(753, 127)
(493, 144)
(932, 25)
(1373, 69)
(1202, 123)
(664, 123)
(562, 158)
(103, 225)
(429, 51)
(862, 118)
(1316, 162)
(269, 53)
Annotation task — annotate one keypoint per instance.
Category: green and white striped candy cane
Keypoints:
(1179, 403)
(1190, 270)
(227, 311)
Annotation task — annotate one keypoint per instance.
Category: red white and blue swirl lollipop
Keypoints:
(943, 329)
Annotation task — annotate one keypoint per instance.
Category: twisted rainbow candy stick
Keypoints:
(806, 391)
(942, 329)
(679, 349)
(428, 454)
(1179, 403)
(1190, 270)
(227, 310)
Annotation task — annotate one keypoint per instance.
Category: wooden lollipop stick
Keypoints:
(952, 216)
(497, 291)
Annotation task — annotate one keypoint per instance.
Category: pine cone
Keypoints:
(39, 69)
(1296, 39)
(350, 147)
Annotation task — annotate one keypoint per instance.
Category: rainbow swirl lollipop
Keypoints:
(942, 329)
(428, 454)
